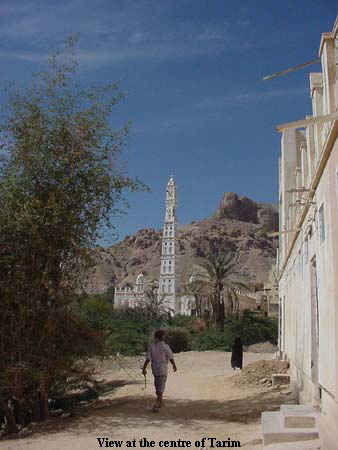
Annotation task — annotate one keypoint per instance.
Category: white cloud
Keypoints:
(135, 38)
(220, 101)
(111, 31)
(34, 57)
(207, 110)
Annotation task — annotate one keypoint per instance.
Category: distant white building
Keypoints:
(169, 289)
(130, 297)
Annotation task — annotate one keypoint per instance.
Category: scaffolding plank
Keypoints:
(306, 122)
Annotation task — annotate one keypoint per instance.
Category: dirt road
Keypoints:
(200, 401)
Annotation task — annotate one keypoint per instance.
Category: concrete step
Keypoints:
(298, 416)
(274, 432)
(305, 445)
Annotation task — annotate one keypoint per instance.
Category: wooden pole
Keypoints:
(306, 122)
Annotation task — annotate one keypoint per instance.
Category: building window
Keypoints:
(322, 223)
(306, 250)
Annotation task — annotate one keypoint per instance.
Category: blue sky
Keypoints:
(192, 73)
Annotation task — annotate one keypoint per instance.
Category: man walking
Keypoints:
(159, 353)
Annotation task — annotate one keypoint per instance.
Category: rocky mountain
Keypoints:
(239, 225)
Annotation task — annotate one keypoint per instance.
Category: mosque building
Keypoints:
(169, 281)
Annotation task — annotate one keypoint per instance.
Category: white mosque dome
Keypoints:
(193, 277)
(140, 278)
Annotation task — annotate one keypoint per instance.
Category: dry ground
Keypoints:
(201, 401)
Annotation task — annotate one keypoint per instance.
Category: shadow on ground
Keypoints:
(129, 412)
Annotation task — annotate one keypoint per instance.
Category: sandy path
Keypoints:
(200, 402)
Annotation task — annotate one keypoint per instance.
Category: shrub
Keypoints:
(95, 309)
(252, 328)
(178, 339)
(212, 339)
(199, 325)
(181, 321)
(129, 331)
(128, 342)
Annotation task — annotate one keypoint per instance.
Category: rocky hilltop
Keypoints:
(239, 225)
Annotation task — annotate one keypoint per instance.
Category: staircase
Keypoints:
(293, 427)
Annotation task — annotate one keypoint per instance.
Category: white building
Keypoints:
(130, 297)
(308, 253)
(169, 288)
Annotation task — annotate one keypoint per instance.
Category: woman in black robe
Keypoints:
(237, 354)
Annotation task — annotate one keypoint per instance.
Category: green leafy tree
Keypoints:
(61, 180)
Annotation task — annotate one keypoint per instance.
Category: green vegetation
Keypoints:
(215, 284)
(212, 339)
(60, 182)
(129, 331)
(178, 338)
(252, 327)
(249, 326)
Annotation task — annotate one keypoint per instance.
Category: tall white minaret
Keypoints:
(169, 278)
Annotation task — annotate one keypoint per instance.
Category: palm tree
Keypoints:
(153, 304)
(222, 290)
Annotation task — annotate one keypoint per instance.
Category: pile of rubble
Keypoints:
(262, 347)
(260, 373)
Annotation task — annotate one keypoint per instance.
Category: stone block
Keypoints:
(279, 379)
(306, 445)
(274, 432)
(298, 416)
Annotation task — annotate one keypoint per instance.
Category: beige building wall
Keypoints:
(308, 253)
